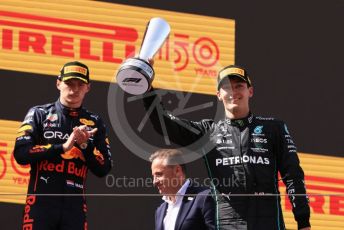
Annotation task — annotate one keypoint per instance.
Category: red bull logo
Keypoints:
(51, 167)
(99, 156)
(40, 148)
(74, 152)
(80, 172)
(60, 168)
(52, 117)
(27, 220)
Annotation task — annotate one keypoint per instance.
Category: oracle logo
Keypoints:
(55, 134)
(66, 38)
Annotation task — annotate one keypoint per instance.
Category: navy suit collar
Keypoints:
(185, 206)
(187, 203)
(161, 212)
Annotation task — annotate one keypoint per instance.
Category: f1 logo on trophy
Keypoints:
(136, 74)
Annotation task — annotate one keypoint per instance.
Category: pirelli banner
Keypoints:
(40, 36)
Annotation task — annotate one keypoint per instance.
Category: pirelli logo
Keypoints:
(75, 69)
(229, 71)
(66, 38)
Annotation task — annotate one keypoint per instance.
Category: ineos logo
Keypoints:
(55, 134)
(259, 140)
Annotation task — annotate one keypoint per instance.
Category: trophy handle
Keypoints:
(156, 32)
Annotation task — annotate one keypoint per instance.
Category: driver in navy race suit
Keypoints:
(246, 149)
(61, 141)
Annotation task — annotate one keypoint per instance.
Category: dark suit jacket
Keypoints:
(196, 211)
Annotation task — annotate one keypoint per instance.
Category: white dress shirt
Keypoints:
(173, 208)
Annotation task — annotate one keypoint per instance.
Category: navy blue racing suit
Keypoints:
(55, 197)
(245, 158)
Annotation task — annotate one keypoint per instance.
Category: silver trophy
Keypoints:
(136, 74)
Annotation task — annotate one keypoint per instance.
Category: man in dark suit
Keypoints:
(185, 207)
